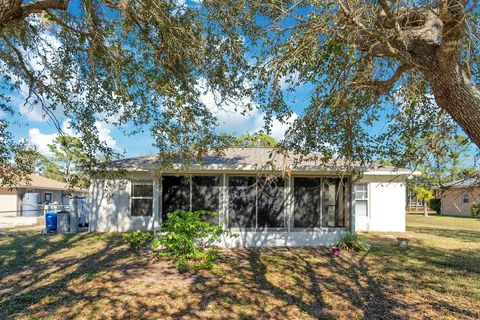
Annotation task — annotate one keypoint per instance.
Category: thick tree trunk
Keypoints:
(425, 208)
(10, 10)
(456, 94)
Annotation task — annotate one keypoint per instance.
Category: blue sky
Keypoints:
(31, 124)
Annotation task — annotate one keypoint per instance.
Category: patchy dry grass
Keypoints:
(94, 276)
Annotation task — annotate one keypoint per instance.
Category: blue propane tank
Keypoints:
(51, 221)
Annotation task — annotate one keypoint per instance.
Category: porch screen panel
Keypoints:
(175, 194)
(206, 195)
(333, 203)
(271, 203)
(241, 202)
(307, 203)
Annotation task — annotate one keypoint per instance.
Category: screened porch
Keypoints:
(249, 203)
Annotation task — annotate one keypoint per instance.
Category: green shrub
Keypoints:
(351, 241)
(188, 239)
(435, 205)
(137, 239)
(475, 209)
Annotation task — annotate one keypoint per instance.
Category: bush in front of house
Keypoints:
(137, 239)
(351, 241)
(435, 204)
(475, 209)
(189, 240)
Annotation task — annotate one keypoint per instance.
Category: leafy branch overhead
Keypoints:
(410, 66)
(139, 65)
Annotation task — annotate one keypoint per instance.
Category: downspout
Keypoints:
(350, 203)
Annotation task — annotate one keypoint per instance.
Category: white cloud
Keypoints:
(278, 128)
(105, 134)
(231, 119)
(42, 140)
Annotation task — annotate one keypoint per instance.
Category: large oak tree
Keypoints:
(410, 64)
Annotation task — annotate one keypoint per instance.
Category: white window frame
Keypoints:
(132, 197)
(465, 197)
(366, 199)
(45, 197)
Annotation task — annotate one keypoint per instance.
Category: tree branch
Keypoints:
(452, 14)
(43, 5)
(52, 17)
(382, 85)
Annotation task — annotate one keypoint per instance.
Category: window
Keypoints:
(333, 201)
(241, 202)
(319, 202)
(175, 194)
(191, 193)
(47, 197)
(142, 199)
(361, 199)
(270, 203)
(465, 198)
(256, 203)
(206, 195)
(307, 203)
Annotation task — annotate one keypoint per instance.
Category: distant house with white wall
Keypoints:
(39, 191)
(457, 196)
(265, 198)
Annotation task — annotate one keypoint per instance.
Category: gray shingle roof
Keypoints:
(464, 183)
(248, 158)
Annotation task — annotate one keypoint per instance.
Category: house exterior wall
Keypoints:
(452, 200)
(110, 207)
(8, 203)
(386, 205)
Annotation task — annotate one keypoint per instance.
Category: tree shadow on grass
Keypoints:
(32, 268)
(105, 281)
(464, 235)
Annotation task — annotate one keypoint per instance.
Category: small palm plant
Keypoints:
(425, 195)
(351, 241)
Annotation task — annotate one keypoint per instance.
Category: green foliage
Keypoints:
(475, 209)
(137, 239)
(138, 66)
(49, 169)
(188, 240)
(70, 152)
(351, 241)
(16, 159)
(435, 204)
(256, 140)
(423, 193)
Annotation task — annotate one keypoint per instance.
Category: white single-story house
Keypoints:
(28, 197)
(263, 197)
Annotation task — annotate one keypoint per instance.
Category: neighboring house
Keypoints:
(265, 200)
(27, 198)
(457, 196)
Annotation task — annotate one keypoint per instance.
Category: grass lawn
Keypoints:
(94, 276)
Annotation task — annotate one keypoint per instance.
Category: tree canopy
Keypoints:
(140, 65)
(144, 64)
(256, 140)
(410, 66)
